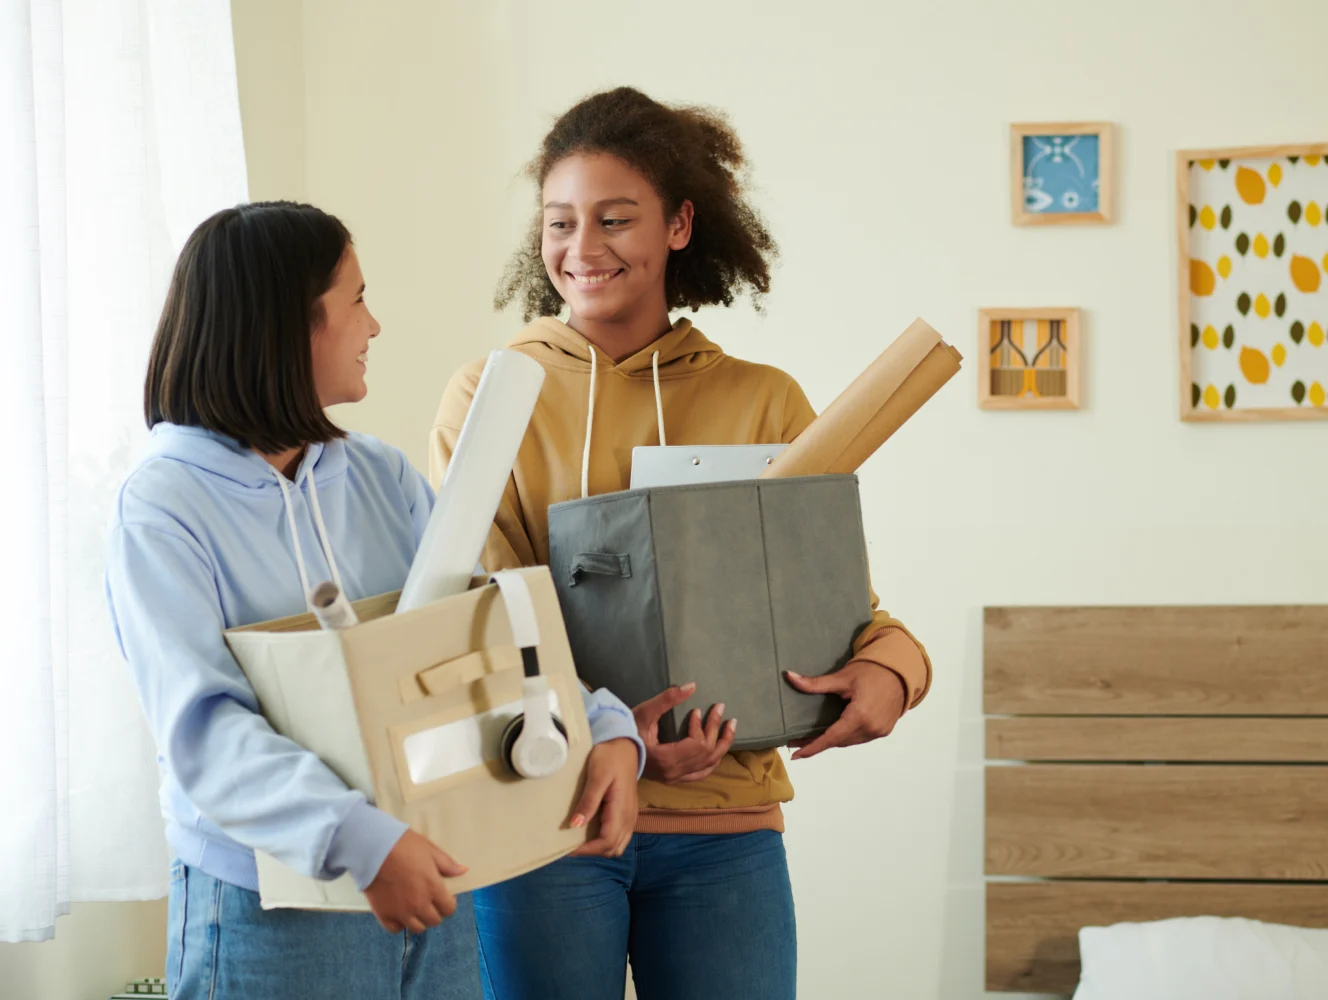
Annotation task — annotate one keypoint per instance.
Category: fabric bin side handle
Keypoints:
(618, 564)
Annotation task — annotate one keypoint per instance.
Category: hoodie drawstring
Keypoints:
(322, 532)
(659, 400)
(590, 423)
(295, 535)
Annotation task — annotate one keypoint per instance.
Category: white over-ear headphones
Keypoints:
(534, 744)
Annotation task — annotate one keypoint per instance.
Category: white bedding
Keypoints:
(1203, 958)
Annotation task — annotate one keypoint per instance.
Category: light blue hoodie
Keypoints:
(200, 542)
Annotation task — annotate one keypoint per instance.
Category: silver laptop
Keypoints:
(689, 465)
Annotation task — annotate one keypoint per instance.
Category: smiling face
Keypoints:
(341, 340)
(606, 240)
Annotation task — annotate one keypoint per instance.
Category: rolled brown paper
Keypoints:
(868, 412)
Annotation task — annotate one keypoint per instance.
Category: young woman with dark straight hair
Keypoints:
(247, 495)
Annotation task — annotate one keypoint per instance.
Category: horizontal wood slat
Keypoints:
(1165, 821)
(1032, 928)
(1102, 738)
(1246, 660)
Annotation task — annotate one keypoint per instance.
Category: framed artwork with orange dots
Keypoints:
(1253, 282)
(1029, 359)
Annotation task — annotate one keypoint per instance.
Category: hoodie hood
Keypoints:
(683, 351)
(240, 466)
(588, 420)
(269, 538)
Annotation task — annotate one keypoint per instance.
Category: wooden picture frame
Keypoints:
(1016, 373)
(1252, 257)
(1072, 178)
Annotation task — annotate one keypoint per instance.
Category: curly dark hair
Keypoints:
(687, 153)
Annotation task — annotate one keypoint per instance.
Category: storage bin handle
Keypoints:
(617, 564)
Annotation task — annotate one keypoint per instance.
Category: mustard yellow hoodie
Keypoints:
(706, 397)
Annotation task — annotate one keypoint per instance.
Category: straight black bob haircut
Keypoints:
(233, 350)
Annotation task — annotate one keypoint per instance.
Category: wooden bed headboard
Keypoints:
(1145, 763)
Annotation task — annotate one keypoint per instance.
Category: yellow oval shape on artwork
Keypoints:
(1210, 338)
(1250, 186)
(1224, 266)
(1207, 218)
(1202, 278)
(1313, 214)
(1279, 355)
(1262, 307)
(1316, 394)
(1275, 174)
(1304, 274)
(1315, 334)
(1311, 161)
(1254, 366)
(1261, 245)
(1208, 164)
(1211, 398)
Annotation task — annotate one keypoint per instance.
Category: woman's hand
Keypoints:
(875, 697)
(610, 791)
(408, 892)
(694, 756)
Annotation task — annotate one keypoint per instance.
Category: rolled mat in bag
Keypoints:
(724, 584)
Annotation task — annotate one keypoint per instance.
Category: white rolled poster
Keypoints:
(473, 486)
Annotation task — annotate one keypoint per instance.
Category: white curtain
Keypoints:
(119, 132)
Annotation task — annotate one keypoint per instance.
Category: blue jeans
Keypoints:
(702, 917)
(222, 945)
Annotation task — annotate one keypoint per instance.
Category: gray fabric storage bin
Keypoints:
(724, 584)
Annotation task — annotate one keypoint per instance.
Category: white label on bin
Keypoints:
(459, 746)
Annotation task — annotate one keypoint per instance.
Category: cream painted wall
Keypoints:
(269, 64)
(878, 137)
(97, 948)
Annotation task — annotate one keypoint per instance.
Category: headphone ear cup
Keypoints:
(512, 732)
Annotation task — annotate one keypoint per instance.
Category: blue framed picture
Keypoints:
(1061, 173)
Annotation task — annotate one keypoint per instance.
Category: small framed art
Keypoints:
(1029, 359)
(1062, 173)
(1253, 282)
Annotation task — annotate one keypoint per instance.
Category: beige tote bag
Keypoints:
(410, 709)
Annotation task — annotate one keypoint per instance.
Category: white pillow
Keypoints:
(1203, 958)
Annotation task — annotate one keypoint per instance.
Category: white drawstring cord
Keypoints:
(590, 422)
(322, 532)
(659, 400)
(323, 538)
(295, 537)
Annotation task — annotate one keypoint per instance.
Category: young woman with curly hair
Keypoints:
(642, 211)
